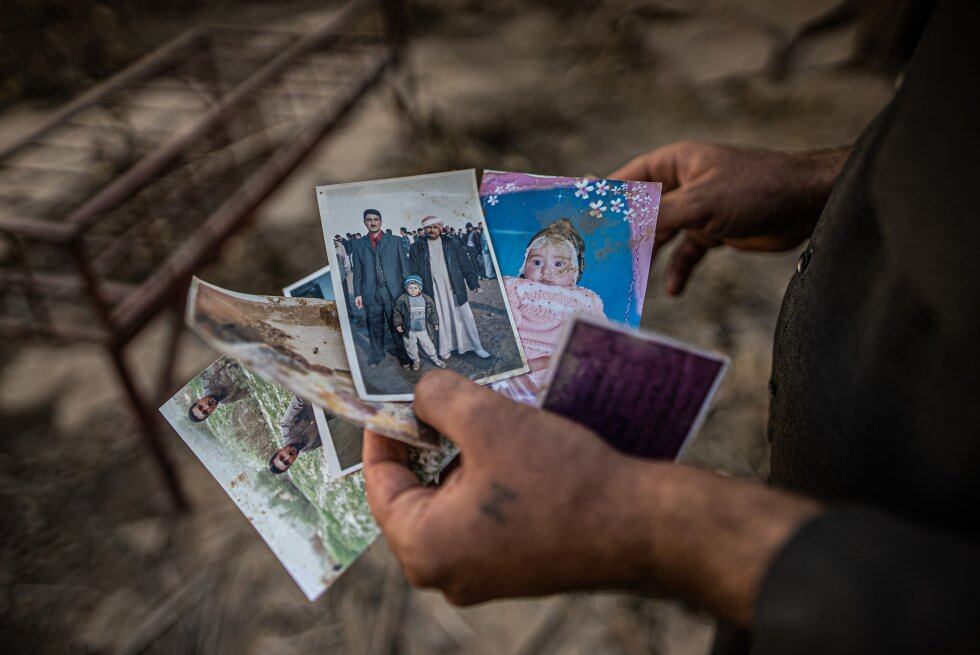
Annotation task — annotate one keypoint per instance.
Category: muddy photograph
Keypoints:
(262, 445)
(296, 342)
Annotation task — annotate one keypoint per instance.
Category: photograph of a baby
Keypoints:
(567, 246)
(424, 288)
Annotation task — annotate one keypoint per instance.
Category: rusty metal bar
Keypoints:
(14, 329)
(97, 295)
(143, 170)
(150, 428)
(140, 69)
(153, 293)
(29, 283)
(66, 286)
(228, 138)
(37, 229)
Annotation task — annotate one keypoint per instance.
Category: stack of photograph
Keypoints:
(425, 273)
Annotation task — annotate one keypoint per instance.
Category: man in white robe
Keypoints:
(447, 274)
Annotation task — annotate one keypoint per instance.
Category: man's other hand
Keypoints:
(359, 303)
(538, 505)
(751, 199)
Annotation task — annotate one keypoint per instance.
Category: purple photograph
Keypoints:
(646, 395)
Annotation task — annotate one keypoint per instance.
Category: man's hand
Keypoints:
(359, 303)
(537, 506)
(747, 198)
(540, 504)
(399, 329)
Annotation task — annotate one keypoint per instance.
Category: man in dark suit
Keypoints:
(379, 265)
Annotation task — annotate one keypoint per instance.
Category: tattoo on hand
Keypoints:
(500, 495)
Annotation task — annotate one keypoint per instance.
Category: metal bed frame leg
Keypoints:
(149, 428)
(176, 326)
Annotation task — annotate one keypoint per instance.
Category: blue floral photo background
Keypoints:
(514, 215)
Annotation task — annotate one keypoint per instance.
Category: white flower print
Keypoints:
(596, 208)
(583, 187)
(492, 200)
(601, 187)
(616, 205)
(627, 213)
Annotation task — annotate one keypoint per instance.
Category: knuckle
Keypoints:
(689, 146)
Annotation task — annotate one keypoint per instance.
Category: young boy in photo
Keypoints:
(414, 316)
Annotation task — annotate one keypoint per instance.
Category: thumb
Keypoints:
(466, 413)
(390, 485)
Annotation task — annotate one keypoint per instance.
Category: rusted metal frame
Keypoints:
(98, 298)
(165, 383)
(38, 229)
(199, 176)
(121, 226)
(121, 129)
(198, 173)
(152, 293)
(34, 168)
(176, 84)
(140, 69)
(396, 19)
(148, 423)
(115, 347)
(20, 179)
(144, 170)
(166, 109)
(16, 329)
(43, 143)
(28, 283)
(66, 285)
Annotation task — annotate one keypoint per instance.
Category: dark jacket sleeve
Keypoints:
(403, 262)
(466, 266)
(398, 313)
(856, 580)
(355, 265)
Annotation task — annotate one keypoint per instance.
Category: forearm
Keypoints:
(707, 538)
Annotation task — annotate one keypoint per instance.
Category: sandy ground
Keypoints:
(92, 559)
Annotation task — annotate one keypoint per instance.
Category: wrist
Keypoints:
(710, 539)
(625, 543)
(817, 172)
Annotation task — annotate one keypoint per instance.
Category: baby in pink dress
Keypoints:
(544, 296)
